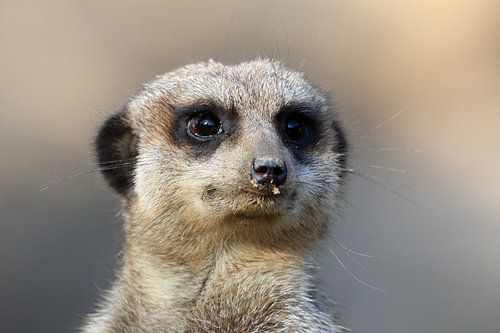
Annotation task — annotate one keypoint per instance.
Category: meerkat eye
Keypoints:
(204, 124)
(296, 128)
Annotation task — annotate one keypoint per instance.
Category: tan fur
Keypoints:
(231, 260)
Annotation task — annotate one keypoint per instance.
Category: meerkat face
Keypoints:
(248, 144)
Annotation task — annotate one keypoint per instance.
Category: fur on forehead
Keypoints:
(259, 85)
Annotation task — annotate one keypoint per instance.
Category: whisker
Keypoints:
(368, 137)
(406, 150)
(379, 167)
(385, 168)
(354, 276)
(367, 177)
(53, 182)
(339, 214)
(382, 124)
(97, 169)
(396, 183)
(359, 254)
(95, 164)
(359, 210)
(356, 261)
(286, 40)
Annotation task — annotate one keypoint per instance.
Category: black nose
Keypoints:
(268, 171)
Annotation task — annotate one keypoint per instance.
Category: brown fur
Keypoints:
(207, 250)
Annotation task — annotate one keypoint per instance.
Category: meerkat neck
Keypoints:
(203, 262)
(226, 280)
(188, 267)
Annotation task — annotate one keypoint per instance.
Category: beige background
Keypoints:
(433, 67)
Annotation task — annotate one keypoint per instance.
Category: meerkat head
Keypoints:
(243, 147)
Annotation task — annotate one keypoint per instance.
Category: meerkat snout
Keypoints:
(268, 170)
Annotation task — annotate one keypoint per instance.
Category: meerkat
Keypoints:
(228, 176)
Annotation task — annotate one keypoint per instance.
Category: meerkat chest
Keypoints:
(255, 299)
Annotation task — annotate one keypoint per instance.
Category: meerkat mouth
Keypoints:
(250, 203)
(245, 216)
(268, 193)
(271, 193)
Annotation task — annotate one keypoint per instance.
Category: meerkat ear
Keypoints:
(341, 144)
(116, 148)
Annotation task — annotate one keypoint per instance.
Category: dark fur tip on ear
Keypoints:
(341, 145)
(116, 148)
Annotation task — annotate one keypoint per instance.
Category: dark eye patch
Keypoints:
(299, 127)
(184, 129)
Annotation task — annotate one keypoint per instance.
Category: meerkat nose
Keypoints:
(268, 170)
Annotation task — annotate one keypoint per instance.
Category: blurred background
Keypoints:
(416, 83)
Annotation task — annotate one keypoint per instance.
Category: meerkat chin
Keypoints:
(228, 176)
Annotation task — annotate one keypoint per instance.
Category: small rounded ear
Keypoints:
(116, 148)
(341, 145)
